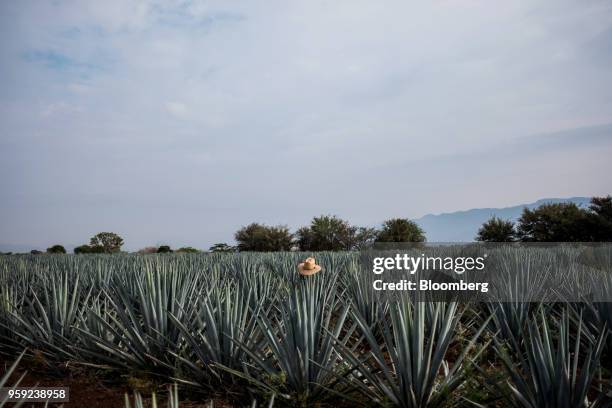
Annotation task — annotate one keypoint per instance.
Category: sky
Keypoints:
(178, 122)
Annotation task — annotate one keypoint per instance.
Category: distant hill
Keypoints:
(462, 226)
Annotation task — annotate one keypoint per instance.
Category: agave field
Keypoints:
(246, 328)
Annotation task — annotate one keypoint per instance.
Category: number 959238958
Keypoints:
(34, 394)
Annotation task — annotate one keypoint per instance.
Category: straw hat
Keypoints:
(308, 267)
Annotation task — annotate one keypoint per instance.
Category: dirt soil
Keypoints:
(87, 391)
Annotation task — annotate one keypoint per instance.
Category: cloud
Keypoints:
(60, 108)
(177, 109)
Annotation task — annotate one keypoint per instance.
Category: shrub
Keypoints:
(188, 250)
(56, 249)
(222, 247)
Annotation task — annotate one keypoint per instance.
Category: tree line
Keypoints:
(109, 243)
(560, 222)
(325, 233)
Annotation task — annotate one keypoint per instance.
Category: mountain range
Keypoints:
(462, 226)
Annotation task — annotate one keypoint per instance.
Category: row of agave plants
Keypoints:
(248, 328)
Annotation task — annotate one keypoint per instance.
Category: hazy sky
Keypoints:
(178, 122)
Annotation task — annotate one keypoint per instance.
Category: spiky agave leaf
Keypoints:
(9, 372)
(226, 319)
(48, 319)
(297, 359)
(557, 364)
(372, 305)
(138, 332)
(172, 401)
(409, 367)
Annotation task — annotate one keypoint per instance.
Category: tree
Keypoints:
(222, 247)
(35, 252)
(88, 249)
(188, 250)
(82, 249)
(599, 219)
(56, 249)
(108, 241)
(602, 206)
(279, 238)
(251, 238)
(263, 238)
(164, 249)
(401, 230)
(364, 237)
(327, 233)
(561, 222)
(496, 230)
(304, 238)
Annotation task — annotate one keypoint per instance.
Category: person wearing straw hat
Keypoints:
(308, 267)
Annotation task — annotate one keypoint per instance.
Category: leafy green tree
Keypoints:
(164, 249)
(108, 241)
(263, 238)
(401, 230)
(222, 247)
(279, 238)
(88, 249)
(82, 249)
(600, 219)
(56, 249)
(35, 252)
(602, 206)
(251, 238)
(327, 233)
(188, 250)
(496, 230)
(304, 238)
(561, 222)
(364, 237)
